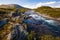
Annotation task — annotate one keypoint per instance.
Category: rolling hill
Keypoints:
(53, 12)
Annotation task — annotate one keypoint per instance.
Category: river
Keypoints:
(37, 23)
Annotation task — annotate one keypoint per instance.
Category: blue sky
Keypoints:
(33, 3)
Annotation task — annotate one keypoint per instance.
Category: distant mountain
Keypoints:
(11, 6)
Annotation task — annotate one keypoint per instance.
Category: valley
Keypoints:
(27, 24)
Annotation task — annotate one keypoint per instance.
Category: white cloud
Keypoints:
(57, 6)
(29, 6)
(44, 3)
(52, 4)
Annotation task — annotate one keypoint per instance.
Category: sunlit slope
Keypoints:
(53, 12)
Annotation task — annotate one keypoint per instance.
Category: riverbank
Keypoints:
(48, 17)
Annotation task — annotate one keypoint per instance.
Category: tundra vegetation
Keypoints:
(53, 12)
(6, 28)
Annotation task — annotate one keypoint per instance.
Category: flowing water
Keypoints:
(47, 24)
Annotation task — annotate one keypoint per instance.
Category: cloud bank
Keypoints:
(51, 4)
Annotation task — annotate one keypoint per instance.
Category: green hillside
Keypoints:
(53, 12)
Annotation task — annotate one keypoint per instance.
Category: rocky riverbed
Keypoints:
(29, 26)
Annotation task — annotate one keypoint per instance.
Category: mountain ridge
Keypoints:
(10, 6)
